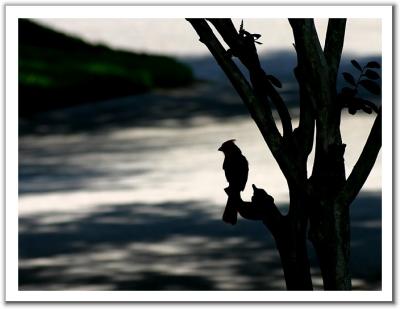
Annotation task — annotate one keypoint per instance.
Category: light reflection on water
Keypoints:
(140, 208)
(158, 164)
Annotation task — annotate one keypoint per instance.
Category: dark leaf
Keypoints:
(349, 78)
(352, 110)
(344, 101)
(373, 65)
(371, 86)
(367, 103)
(371, 74)
(274, 81)
(367, 109)
(348, 92)
(344, 104)
(356, 65)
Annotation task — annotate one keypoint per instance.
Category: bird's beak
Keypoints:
(220, 149)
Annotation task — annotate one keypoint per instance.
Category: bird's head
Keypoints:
(229, 147)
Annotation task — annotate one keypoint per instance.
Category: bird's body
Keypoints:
(236, 170)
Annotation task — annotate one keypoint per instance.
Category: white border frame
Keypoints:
(179, 11)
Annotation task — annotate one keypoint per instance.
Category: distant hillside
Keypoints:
(56, 70)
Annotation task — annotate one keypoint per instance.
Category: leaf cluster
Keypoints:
(349, 96)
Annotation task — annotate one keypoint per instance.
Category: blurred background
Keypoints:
(120, 181)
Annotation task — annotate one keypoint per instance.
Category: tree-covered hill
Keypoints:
(57, 70)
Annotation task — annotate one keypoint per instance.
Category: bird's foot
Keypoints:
(233, 193)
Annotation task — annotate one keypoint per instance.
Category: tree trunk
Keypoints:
(331, 240)
(295, 263)
(330, 220)
(292, 246)
(288, 231)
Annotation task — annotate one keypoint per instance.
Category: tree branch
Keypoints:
(364, 164)
(261, 207)
(321, 93)
(304, 135)
(244, 48)
(312, 61)
(261, 113)
(314, 75)
(290, 243)
(334, 44)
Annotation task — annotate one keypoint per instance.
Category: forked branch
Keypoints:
(364, 164)
(259, 110)
(243, 47)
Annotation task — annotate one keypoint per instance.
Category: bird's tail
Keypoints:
(230, 212)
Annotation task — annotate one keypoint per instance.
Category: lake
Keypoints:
(112, 198)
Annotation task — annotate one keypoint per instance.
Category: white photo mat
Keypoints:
(12, 13)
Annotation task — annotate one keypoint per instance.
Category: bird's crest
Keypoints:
(229, 141)
(226, 143)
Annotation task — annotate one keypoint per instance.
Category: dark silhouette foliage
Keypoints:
(350, 96)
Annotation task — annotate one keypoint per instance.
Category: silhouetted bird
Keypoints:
(236, 171)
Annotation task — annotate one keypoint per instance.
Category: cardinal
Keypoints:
(236, 170)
